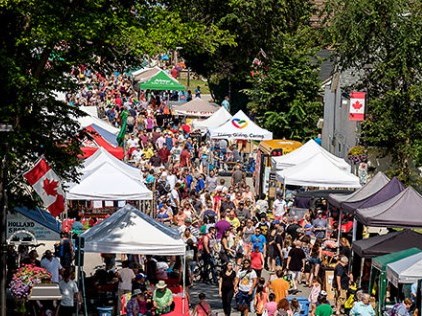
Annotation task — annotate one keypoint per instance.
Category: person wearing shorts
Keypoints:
(342, 279)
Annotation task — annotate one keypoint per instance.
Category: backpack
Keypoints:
(393, 311)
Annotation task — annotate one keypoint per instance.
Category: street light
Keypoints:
(3, 223)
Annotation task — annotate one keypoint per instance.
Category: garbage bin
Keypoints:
(105, 311)
(304, 304)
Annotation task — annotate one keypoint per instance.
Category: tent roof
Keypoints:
(107, 182)
(381, 262)
(40, 216)
(373, 186)
(102, 155)
(130, 231)
(217, 119)
(318, 171)
(303, 153)
(100, 141)
(88, 120)
(241, 127)
(389, 243)
(407, 270)
(109, 137)
(403, 210)
(162, 81)
(144, 74)
(391, 189)
(196, 107)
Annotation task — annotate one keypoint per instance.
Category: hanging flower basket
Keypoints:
(357, 154)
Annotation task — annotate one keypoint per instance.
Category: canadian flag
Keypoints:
(47, 185)
(357, 106)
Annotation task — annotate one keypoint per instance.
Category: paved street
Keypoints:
(211, 292)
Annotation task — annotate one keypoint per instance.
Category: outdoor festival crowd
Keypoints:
(255, 253)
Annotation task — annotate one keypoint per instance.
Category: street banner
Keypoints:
(357, 106)
(47, 185)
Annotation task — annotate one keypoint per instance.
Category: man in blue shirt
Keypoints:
(259, 240)
(226, 103)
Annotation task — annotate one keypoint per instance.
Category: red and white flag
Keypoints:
(47, 184)
(357, 106)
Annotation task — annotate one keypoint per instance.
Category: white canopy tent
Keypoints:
(197, 108)
(240, 127)
(318, 171)
(143, 74)
(85, 121)
(107, 182)
(130, 231)
(217, 119)
(308, 150)
(102, 155)
(407, 270)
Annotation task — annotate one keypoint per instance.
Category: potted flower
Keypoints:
(23, 281)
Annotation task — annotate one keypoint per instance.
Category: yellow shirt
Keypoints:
(234, 222)
(148, 153)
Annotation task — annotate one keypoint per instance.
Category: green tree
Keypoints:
(380, 41)
(40, 41)
(285, 88)
(256, 25)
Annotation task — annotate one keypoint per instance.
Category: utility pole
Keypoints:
(4, 128)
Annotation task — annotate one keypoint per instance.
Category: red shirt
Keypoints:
(164, 154)
(184, 157)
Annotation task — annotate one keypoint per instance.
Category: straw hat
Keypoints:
(161, 285)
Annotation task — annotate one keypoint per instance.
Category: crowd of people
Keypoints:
(255, 252)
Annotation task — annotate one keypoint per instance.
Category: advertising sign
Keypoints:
(16, 222)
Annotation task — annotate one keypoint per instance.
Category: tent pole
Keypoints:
(418, 297)
(362, 264)
(339, 231)
(184, 283)
(284, 189)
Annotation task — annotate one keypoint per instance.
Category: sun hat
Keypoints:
(161, 284)
(136, 292)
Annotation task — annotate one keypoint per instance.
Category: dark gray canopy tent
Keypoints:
(389, 243)
(372, 187)
(388, 191)
(403, 210)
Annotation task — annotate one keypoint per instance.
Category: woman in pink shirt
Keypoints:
(271, 305)
(257, 261)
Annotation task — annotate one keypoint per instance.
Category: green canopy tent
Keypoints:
(379, 267)
(162, 81)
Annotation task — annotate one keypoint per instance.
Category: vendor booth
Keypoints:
(407, 270)
(370, 188)
(142, 75)
(97, 140)
(89, 120)
(403, 210)
(304, 153)
(130, 231)
(107, 182)
(379, 273)
(102, 155)
(388, 191)
(215, 120)
(196, 108)
(318, 171)
(240, 127)
(162, 81)
(385, 244)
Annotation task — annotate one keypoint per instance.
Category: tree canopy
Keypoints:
(40, 42)
(380, 41)
(257, 26)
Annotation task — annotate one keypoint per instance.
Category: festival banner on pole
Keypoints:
(47, 185)
(357, 106)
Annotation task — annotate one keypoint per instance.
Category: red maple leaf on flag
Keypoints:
(50, 186)
(357, 105)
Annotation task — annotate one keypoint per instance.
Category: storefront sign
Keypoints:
(17, 222)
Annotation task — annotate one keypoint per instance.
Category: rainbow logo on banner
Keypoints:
(238, 123)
